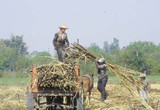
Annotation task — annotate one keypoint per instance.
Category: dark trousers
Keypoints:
(101, 87)
(61, 54)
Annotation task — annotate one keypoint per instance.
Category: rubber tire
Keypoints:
(80, 105)
(30, 101)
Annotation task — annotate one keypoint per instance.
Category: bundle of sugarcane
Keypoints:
(59, 76)
(123, 74)
(129, 81)
(76, 51)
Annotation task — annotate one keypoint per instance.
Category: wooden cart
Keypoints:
(51, 99)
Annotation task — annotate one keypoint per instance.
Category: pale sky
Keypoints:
(92, 21)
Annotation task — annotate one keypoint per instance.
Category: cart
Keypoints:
(51, 99)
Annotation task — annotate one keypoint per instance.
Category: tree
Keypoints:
(16, 42)
(135, 56)
(6, 57)
(114, 45)
(40, 58)
(111, 47)
(106, 46)
(11, 51)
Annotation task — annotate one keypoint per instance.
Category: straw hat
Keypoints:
(142, 75)
(63, 27)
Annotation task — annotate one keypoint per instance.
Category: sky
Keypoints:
(90, 21)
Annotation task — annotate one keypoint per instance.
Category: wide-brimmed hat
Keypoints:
(142, 75)
(63, 27)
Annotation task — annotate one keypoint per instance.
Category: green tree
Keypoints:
(136, 54)
(111, 47)
(11, 51)
(6, 58)
(40, 58)
(16, 42)
(106, 46)
(114, 45)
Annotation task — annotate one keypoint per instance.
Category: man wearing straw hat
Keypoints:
(102, 77)
(144, 91)
(61, 42)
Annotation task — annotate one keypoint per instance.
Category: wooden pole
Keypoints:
(77, 41)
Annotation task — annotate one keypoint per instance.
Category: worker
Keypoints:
(102, 77)
(143, 92)
(61, 42)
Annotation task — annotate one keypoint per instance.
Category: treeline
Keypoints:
(15, 60)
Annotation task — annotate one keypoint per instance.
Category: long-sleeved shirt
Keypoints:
(60, 40)
(144, 92)
(147, 85)
(101, 70)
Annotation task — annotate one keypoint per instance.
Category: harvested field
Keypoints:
(14, 98)
(120, 98)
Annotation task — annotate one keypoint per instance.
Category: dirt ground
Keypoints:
(13, 98)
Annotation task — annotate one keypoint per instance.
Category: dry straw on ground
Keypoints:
(119, 98)
(12, 98)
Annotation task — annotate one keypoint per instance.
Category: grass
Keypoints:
(113, 79)
(154, 78)
(18, 81)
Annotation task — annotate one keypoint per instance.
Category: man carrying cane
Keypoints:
(102, 77)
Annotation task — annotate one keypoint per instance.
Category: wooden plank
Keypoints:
(34, 79)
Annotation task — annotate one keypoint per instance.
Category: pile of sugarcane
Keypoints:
(59, 76)
(123, 74)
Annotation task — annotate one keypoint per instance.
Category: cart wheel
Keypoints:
(80, 105)
(30, 101)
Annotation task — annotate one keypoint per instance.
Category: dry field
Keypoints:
(13, 98)
(120, 98)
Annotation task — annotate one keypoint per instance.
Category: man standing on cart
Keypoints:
(61, 42)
